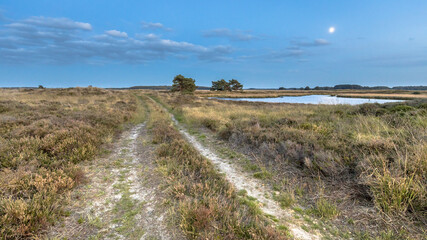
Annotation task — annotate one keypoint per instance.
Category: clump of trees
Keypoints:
(222, 85)
(183, 84)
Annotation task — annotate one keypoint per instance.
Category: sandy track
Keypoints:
(254, 187)
(123, 199)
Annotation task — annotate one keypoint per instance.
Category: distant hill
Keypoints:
(151, 87)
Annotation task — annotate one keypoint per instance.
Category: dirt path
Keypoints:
(242, 180)
(123, 199)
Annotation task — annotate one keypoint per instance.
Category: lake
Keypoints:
(314, 99)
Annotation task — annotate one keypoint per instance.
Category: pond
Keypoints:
(314, 99)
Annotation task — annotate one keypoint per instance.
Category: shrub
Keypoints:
(401, 108)
(211, 124)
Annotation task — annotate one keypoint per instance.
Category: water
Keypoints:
(314, 99)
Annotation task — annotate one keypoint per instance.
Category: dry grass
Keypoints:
(44, 134)
(369, 155)
(205, 205)
(403, 95)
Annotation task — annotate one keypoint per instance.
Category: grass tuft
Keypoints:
(325, 209)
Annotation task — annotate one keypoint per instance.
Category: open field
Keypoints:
(94, 163)
(246, 120)
(44, 134)
(205, 204)
(386, 94)
(360, 167)
(67, 173)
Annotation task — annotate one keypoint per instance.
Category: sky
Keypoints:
(263, 44)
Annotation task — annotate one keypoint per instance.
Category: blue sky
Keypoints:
(260, 43)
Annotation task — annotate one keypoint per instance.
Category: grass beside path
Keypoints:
(44, 135)
(205, 205)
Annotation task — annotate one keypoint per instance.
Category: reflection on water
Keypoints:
(314, 99)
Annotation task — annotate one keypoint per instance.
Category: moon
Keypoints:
(331, 30)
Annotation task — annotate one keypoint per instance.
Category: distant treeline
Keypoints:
(359, 87)
(164, 87)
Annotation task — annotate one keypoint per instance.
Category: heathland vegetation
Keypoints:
(44, 134)
(362, 167)
(205, 205)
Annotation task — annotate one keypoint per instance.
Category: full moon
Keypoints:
(331, 29)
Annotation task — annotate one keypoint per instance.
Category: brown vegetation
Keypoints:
(43, 135)
(362, 167)
(338, 159)
(206, 205)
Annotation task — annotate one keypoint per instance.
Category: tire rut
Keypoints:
(254, 188)
(123, 199)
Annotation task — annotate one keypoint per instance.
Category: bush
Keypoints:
(401, 108)
(211, 124)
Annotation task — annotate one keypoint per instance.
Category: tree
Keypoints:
(307, 88)
(220, 85)
(215, 86)
(183, 84)
(41, 87)
(235, 85)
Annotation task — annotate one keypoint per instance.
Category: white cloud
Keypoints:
(116, 33)
(63, 23)
(151, 25)
(60, 41)
(316, 43)
(147, 36)
(234, 35)
(321, 42)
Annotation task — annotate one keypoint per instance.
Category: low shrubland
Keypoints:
(44, 134)
(204, 205)
(370, 155)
